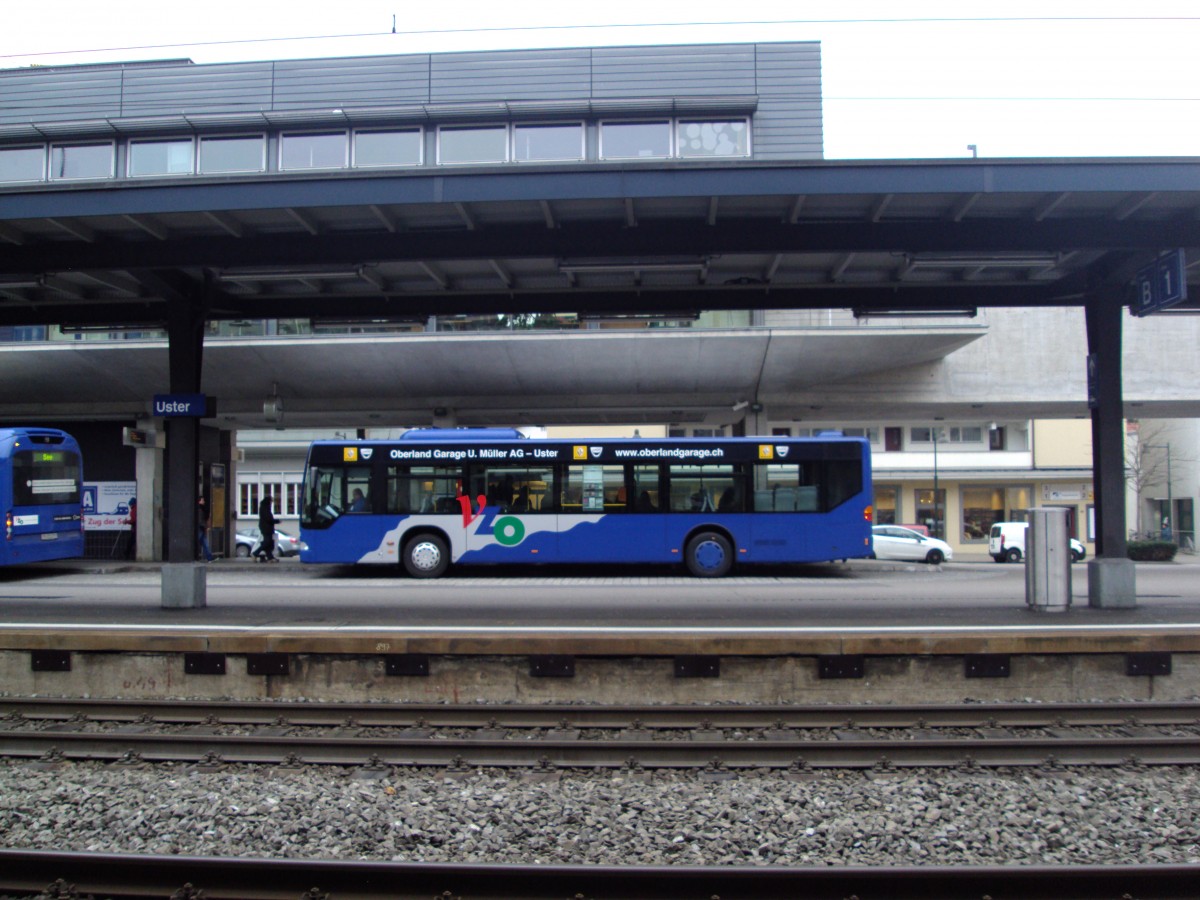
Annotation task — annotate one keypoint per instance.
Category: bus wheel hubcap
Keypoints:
(426, 556)
(710, 555)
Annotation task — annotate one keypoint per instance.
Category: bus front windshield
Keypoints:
(330, 491)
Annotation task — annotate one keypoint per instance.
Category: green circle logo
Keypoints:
(509, 531)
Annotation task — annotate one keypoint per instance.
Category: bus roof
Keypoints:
(463, 434)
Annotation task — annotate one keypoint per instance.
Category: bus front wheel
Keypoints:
(709, 555)
(426, 556)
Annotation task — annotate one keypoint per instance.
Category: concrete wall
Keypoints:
(506, 679)
(1062, 442)
(1037, 358)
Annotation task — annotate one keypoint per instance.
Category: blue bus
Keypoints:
(465, 496)
(41, 482)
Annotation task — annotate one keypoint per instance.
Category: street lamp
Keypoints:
(937, 517)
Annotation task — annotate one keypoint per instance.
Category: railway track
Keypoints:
(581, 716)
(120, 876)
(716, 738)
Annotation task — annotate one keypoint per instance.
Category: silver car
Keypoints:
(247, 543)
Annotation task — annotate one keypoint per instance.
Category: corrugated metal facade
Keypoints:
(785, 78)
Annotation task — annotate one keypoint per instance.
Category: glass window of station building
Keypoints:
(377, 147)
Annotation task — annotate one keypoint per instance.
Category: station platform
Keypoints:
(861, 607)
(863, 631)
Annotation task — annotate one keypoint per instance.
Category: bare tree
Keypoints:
(1148, 463)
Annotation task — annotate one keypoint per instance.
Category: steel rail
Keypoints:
(122, 876)
(341, 750)
(579, 716)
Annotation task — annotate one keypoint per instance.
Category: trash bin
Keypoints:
(1048, 561)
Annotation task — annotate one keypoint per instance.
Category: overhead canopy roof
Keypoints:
(594, 237)
(601, 239)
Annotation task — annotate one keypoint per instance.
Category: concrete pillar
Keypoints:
(184, 586)
(148, 466)
(1111, 576)
(183, 583)
(756, 420)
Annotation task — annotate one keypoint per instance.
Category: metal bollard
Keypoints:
(1048, 561)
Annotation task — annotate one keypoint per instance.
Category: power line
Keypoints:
(587, 27)
(826, 98)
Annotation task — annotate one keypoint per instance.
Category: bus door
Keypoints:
(519, 522)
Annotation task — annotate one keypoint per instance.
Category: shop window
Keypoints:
(887, 502)
(1017, 501)
(22, 164)
(982, 507)
(931, 510)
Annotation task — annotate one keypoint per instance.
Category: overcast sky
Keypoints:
(901, 79)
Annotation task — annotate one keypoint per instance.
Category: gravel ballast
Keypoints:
(934, 817)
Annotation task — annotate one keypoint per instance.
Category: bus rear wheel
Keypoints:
(426, 556)
(709, 555)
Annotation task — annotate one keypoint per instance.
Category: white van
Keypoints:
(1006, 543)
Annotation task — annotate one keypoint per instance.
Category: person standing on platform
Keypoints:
(266, 527)
(202, 529)
(131, 547)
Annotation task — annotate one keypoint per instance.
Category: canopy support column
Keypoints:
(1111, 575)
(183, 577)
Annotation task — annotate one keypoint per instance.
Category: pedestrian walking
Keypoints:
(266, 527)
(202, 529)
(131, 546)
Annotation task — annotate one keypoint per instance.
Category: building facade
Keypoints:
(973, 418)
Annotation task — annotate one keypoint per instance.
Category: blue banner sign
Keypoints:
(170, 406)
(1161, 284)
